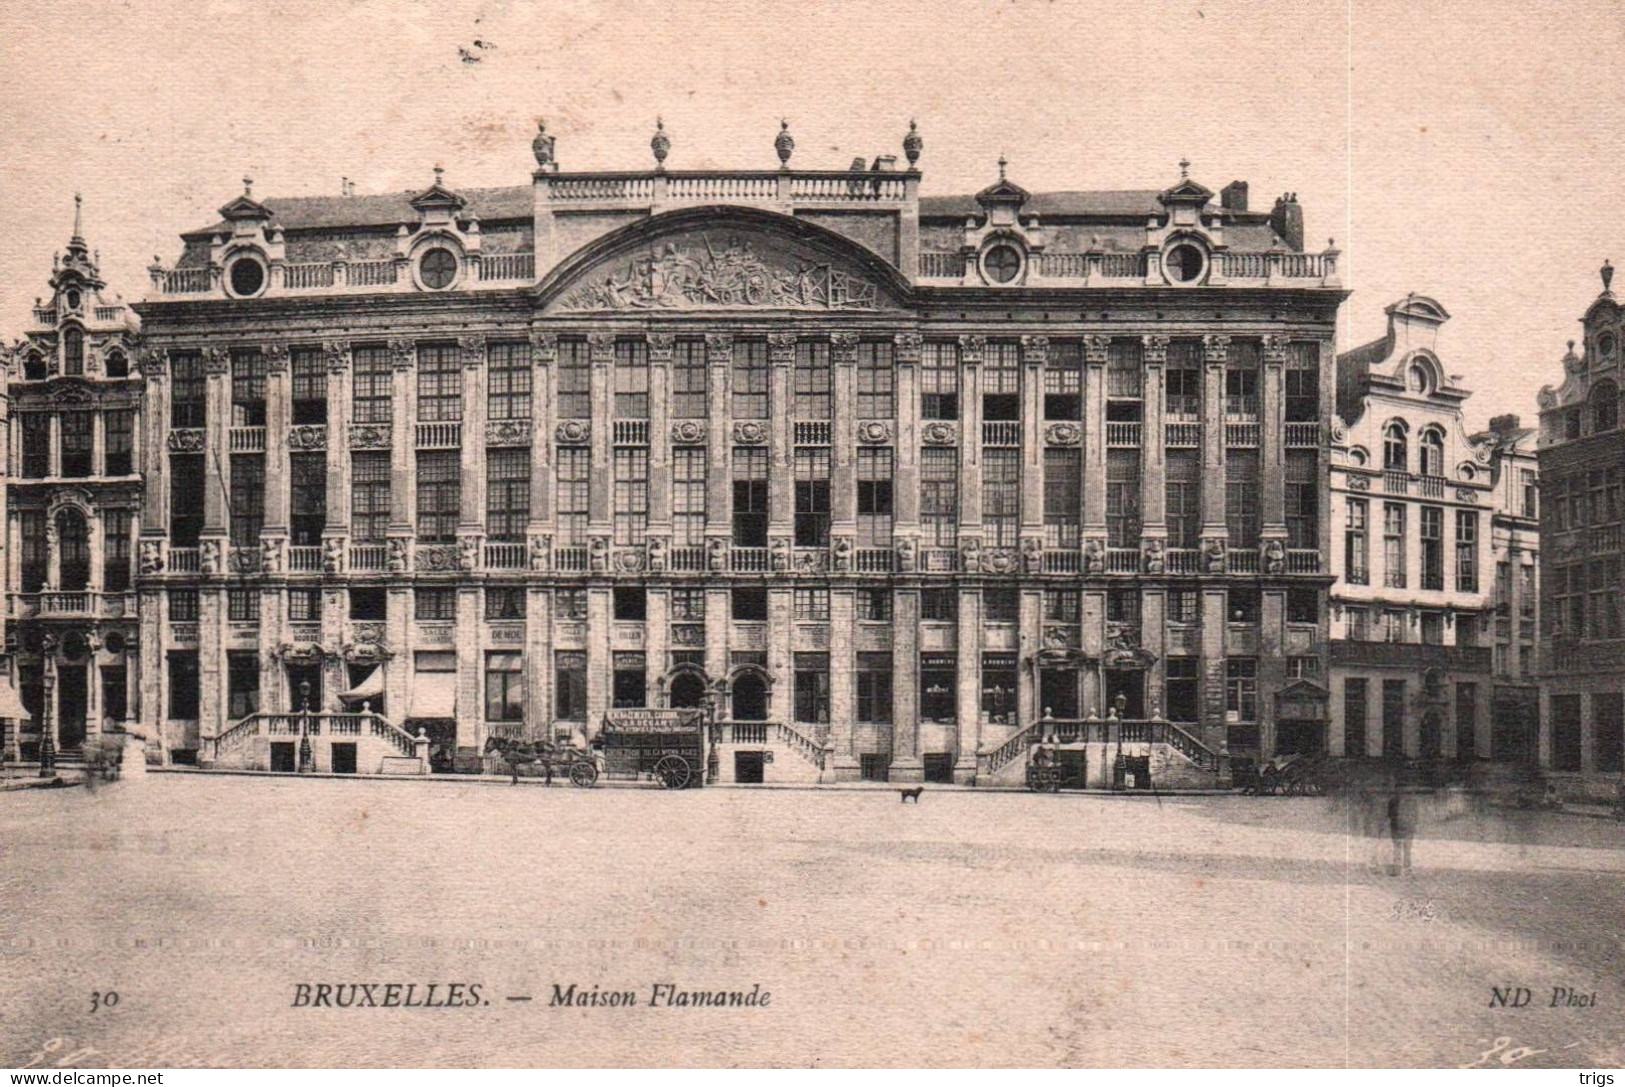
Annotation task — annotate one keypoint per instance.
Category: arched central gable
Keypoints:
(720, 258)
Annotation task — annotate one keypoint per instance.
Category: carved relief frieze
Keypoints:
(1063, 434)
(507, 432)
(369, 435)
(188, 440)
(688, 432)
(308, 437)
(874, 432)
(749, 433)
(573, 432)
(723, 273)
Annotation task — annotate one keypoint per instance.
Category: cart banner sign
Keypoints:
(653, 720)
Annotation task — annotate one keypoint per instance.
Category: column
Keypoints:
(719, 443)
(471, 511)
(843, 695)
(1271, 665)
(402, 477)
(1034, 356)
(1214, 732)
(272, 633)
(968, 696)
(717, 609)
(1153, 639)
(1029, 640)
(397, 695)
(601, 353)
(843, 353)
(53, 455)
(661, 346)
(780, 661)
(781, 353)
(151, 707)
(210, 661)
(906, 494)
(906, 765)
(1153, 466)
(971, 349)
(1096, 349)
(216, 367)
(278, 403)
(336, 359)
(656, 643)
(1215, 350)
(1272, 443)
(153, 446)
(538, 663)
(470, 648)
(598, 658)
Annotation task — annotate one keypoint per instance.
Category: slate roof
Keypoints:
(1133, 202)
(385, 209)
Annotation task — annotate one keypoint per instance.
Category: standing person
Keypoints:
(1402, 826)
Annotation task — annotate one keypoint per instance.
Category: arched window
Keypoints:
(1604, 407)
(34, 367)
(117, 364)
(1396, 455)
(73, 540)
(687, 691)
(73, 351)
(1432, 452)
(750, 698)
(1419, 378)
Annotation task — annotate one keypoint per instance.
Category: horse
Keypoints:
(516, 754)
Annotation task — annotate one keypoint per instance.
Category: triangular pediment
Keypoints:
(1302, 688)
(1187, 192)
(245, 207)
(438, 196)
(1003, 191)
(722, 262)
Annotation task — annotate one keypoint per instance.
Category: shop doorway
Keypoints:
(750, 698)
(72, 693)
(343, 758)
(1074, 769)
(687, 691)
(1300, 737)
(282, 757)
(939, 767)
(1058, 693)
(749, 767)
(1130, 684)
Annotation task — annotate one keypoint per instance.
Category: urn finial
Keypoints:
(660, 143)
(784, 143)
(1607, 271)
(912, 143)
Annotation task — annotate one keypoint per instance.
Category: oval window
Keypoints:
(1605, 345)
(1185, 263)
(247, 277)
(73, 299)
(1002, 263)
(438, 268)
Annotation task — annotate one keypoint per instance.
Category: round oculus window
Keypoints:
(115, 642)
(247, 277)
(73, 299)
(1185, 263)
(1605, 345)
(438, 269)
(1002, 263)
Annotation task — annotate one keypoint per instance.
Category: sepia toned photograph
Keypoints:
(812, 535)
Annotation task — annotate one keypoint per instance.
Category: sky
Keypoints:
(1470, 152)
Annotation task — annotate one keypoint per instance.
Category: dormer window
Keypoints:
(246, 277)
(72, 298)
(1419, 379)
(1395, 448)
(438, 269)
(1002, 264)
(1185, 263)
(1432, 453)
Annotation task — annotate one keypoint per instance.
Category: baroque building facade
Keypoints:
(1412, 493)
(1582, 547)
(899, 486)
(73, 497)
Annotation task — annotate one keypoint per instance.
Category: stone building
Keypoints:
(72, 455)
(1515, 595)
(1412, 494)
(1582, 534)
(897, 485)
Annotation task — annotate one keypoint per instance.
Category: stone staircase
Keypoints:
(813, 755)
(1179, 759)
(381, 746)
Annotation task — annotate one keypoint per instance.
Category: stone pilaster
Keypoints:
(470, 664)
(968, 697)
(1096, 349)
(1215, 351)
(402, 473)
(216, 368)
(1272, 440)
(336, 362)
(471, 506)
(152, 708)
(661, 347)
(717, 607)
(278, 403)
(657, 643)
(843, 664)
(154, 454)
(971, 350)
(906, 495)
(398, 624)
(211, 652)
(1153, 462)
(843, 352)
(539, 662)
(544, 356)
(781, 353)
(1034, 355)
(780, 662)
(599, 663)
(719, 444)
(601, 352)
(906, 764)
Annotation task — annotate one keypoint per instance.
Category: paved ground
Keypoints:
(974, 928)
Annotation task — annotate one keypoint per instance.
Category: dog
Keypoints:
(911, 794)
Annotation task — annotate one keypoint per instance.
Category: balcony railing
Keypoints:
(1241, 560)
(369, 558)
(1604, 539)
(688, 560)
(1182, 435)
(1241, 435)
(942, 266)
(372, 273)
(1302, 561)
(1001, 432)
(297, 277)
(46, 317)
(1123, 435)
(183, 560)
(1063, 562)
(1183, 560)
(1396, 482)
(248, 439)
(504, 555)
(939, 560)
(510, 266)
(570, 560)
(630, 431)
(1122, 560)
(1301, 435)
(187, 281)
(60, 603)
(439, 435)
(305, 560)
(874, 560)
(1430, 486)
(812, 432)
(749, 560)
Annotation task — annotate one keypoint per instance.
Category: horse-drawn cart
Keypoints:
(1044, 772)
(665, 745)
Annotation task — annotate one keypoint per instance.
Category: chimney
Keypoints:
(1233, 197)
(1287, 220)
(884, 162)
(1504, 424)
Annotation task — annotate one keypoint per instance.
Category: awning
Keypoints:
(370, 689)
(434, 694)
(10, 705)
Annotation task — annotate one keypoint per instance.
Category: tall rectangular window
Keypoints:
(812, 379)
(188, 400)
(1241, 380)
(77, 442)
(1001, 496)
(875, 471)
(1356, 545)
(247, 499)
(118, 454)
(1467, 551)
(116, 549)
(812, 688)
(939, 497)
(369, 496)
(1241, 688)
(812, 605)
(1302, 378)
(750, 496)
(440, 383)
(812, 496)
(690, 396)
(247, 388)
(1123, 497)
(1001, 604)
(1393, 545)
(1529, 483)
(1063, 381)
(508, 381)
(1182, 496)
(874, 685)
(507, 493)
(750, 379)
(307, 498)
(243, 605)
(1182, 382)
(1432, 534)
(1063, 486)
(939, 380)
(574, 380)
(1125, 370)
(939, 683)
(434, 604)
(1355, 698)
(309, 387)
(573, 497)
(631, 495)
(1393, 718)
(373, 386)
(570, 685)
(439, 494)
(1001, 380)
(31, 529)
(36, 427)
(1180, 689)
(183, 685)
(504, 602)
(305, 605)
(631, 379)
(1302, 499)
(877, 380)
(185, 499)
(504, 687)
(688, 466)
(1241, 497)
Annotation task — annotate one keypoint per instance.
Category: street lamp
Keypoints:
(305, 761)
(1119, 768)
(714, 695)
